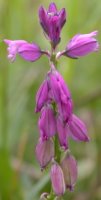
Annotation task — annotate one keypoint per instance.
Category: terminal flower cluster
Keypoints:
(57, 122)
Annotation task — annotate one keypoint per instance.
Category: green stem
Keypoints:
(57, 149)
(4, 107)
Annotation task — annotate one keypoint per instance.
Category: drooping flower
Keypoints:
(42, 96)
(44, 152)
(47, 122)
(69, 167)
(77, 129)
(62, 133)
(58, 87)
(52, 22)
(57, 179)
(81, 45)
(28, 51)
(65, 110)
(60, 94)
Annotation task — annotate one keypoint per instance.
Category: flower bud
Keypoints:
(30, 52)
(41, 96)
(65, 110)
(54, 86)
(57, 180)
(69, 167)
(47, 122)
(62, 133)
(81, 45)
(60, 94)
(52, 22)
(58, 87)
(77, 129)
(44, 152)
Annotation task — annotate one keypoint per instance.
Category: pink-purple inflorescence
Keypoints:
(56, 123)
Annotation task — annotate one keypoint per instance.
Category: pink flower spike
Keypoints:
(57, 179)
(81, 45)
(44, 152)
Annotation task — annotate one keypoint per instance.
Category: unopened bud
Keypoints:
(57, 179)
(69, 167)
(41, 96)
(44, 152)
(47, 122)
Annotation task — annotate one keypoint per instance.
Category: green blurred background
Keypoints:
(20, 175)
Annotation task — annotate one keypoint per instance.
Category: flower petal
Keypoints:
(30, 52)
(47, 122)
(77, 129)
(41, 96)
(44, 152)
(13, 46)
(62, 133)
(52, 22)
(62, 15)
(52, 8)
(69, 167)
(57, 179)
(43, 19)
(81, 45)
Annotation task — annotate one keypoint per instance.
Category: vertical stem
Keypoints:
(57, 149)
(4, 107)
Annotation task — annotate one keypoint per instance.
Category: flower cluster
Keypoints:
(53, 100)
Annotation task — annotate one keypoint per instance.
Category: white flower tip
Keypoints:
(6, 41)
(11, 57)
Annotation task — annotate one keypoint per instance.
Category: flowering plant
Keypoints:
(57, 123)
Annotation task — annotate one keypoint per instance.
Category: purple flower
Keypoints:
(44, 152)
(52, 22)
(54, 86)
(54, 101)
(77, 129)
(69, 167)
(60, 94)
(27, 51)
(81, 45)
(65, 110)
(41, 96)
(47, 122)
(57, 180)
(62, 132)
(58, 87)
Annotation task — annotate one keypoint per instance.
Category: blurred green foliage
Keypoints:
(20, 176)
